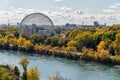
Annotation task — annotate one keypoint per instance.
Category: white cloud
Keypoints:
(14, 15)
(116, 5)
(108, 10)
(66, 9)
(112, 6)
(61, 16)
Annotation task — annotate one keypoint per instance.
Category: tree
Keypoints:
(4, 74)
(24, 63)
(53, 41)
(33, 74)
(84, 40)
(37, 38)
(13, 43)
(116, 44)
(20, 42)
(28, 45)
(97, 37)
(109, 35)
(101, 46)
(87, 54)
(72, 43)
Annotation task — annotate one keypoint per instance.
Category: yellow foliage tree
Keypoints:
(87, 54)
(33, 74)
(104, 55)
(101, 46)
(72, 43)
(21, 41)
(12, 41)
(27, 45)
(4, 74)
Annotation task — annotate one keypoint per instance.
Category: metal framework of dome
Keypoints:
(37, 23)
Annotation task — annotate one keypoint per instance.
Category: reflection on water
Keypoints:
(73, 70)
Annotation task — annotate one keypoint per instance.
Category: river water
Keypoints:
(70, 69)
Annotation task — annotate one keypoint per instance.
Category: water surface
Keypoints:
(73, 70)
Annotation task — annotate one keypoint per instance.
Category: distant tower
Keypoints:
(8, 22)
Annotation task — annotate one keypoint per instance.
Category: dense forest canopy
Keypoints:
(95, 43)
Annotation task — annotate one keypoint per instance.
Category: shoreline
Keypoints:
(77, 58)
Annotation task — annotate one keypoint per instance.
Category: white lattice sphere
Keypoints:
(37, 23)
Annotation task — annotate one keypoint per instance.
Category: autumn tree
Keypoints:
(101, 46)
(33, 74)
(24, 63)
(72, 43)
(28, 45)
(101, 54)
(21, 42)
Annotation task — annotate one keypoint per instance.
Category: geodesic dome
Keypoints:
(37, 23)
(36, 18)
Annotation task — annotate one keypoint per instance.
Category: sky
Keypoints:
(62, 11)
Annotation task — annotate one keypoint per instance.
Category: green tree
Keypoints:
(53, 41)
(37, 38)
(4, 74)
(84, 40)
(117, 44)
(109, 35)
(97, 37)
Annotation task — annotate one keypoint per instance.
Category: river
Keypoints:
(70, 69)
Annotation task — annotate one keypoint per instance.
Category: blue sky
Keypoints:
(63, 11)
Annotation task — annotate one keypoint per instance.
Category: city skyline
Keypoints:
(62, 11)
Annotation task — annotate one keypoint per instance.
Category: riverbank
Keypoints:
(111, 60)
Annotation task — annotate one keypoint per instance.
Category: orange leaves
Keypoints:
(101, 45)
(101, 54)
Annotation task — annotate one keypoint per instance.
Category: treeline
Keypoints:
(95, 43)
